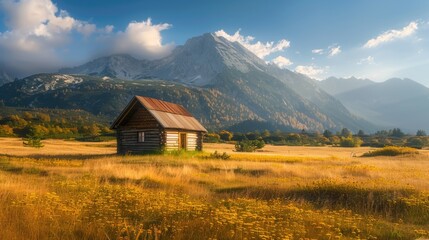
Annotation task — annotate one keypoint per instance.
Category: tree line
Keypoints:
(60, 124)
(343, 138)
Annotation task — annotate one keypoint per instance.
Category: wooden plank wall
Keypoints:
(129, 141)
(191, 141)
(172, 140)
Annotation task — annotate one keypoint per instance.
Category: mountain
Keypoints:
(202, 58)
(396, 102)
(196, 63)
(121, 66)
(336, 86)
(221, 82)
(5, 77)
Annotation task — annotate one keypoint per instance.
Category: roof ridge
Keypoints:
(163, 106)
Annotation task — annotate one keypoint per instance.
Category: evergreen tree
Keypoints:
(327, 134)
(421, 133)
(345, 132)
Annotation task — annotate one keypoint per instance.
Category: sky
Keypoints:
(366, 39)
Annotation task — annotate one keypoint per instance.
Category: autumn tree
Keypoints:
(225, 135)
(6, 130)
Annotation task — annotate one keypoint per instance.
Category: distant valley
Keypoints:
(396, 102)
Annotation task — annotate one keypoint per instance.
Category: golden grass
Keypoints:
(14, 146)
(82, 191)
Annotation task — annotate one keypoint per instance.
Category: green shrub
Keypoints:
(417, 142)
(391, 151)
(211, 138)
(249, 145)
(350, 142)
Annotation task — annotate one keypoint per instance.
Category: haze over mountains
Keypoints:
(396, 102)
(221, 82)
(334, 86)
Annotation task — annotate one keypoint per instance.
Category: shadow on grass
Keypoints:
(61, 156)
(6, 166)
(145, 182)
(394, 204)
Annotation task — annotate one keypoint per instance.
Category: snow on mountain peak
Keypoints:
(195, 63)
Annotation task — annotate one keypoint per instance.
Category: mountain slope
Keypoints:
(215, 107)
(108, 97)
(309, 89)
(5, 77)
(336, 86)
(396, 103)
(121, 66)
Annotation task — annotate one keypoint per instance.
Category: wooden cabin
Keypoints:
(148, 125)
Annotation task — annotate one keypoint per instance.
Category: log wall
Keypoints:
(128, 141)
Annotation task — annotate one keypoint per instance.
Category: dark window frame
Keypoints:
(140, 137)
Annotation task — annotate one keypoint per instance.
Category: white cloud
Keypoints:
(85, 29)
(334, 50)
(311, 71)
(317, 51)
(34, 23)
(331, 51)
(39, 35)
(108, 29)
(282, 62)
(259, 49)
(391, 35)
(367, 60)
(143, 39)
(36, 31)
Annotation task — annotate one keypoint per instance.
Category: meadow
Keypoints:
(79, 190)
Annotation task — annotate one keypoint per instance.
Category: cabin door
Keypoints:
(183, 141)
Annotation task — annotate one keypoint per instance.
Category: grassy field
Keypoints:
(76, 190)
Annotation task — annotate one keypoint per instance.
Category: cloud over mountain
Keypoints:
(143, 39)
(282, 62)
(310, 71)
(260, 49)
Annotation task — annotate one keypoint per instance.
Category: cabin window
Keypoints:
(141, 136)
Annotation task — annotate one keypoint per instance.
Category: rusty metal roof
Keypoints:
(169, 115)
(162, 106)
(176, 121)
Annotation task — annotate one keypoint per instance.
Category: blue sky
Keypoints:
(368, 39)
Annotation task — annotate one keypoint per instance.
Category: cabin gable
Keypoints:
(140, 118)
